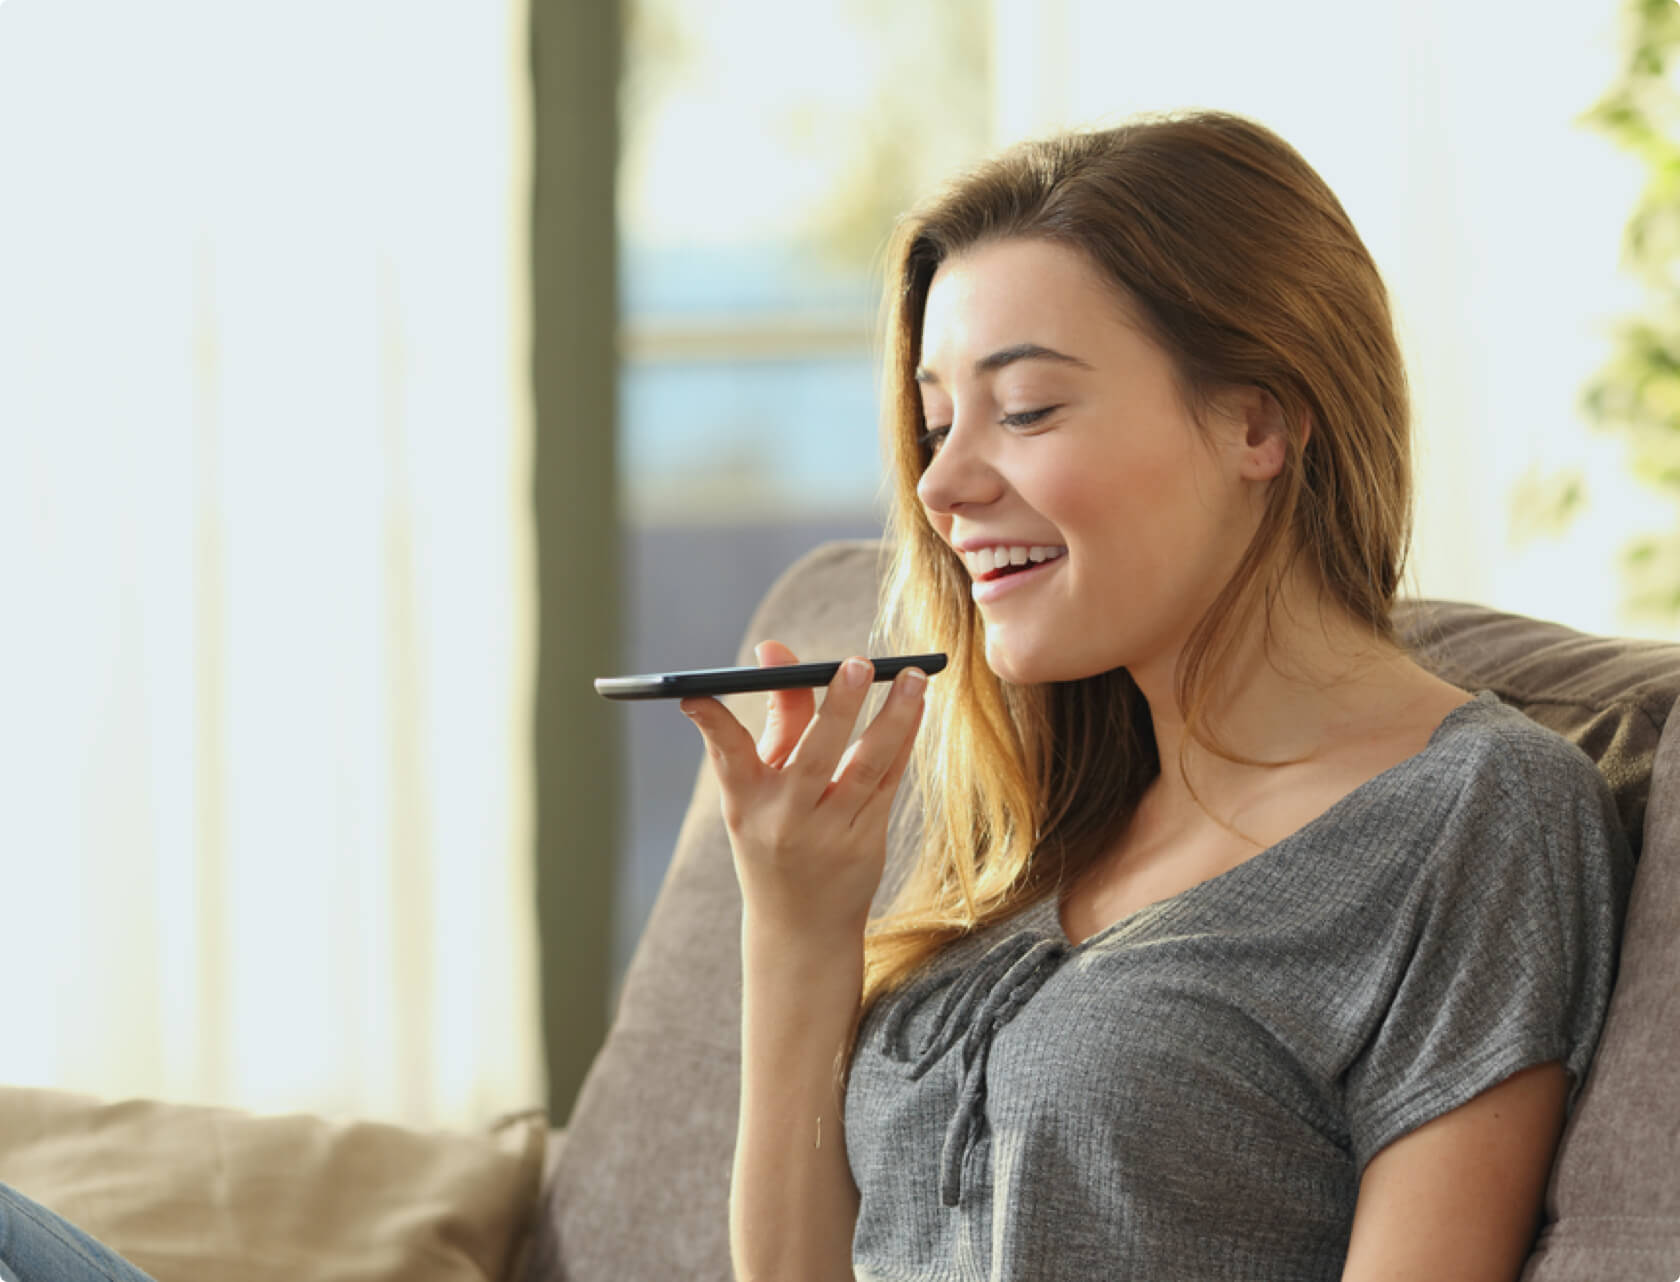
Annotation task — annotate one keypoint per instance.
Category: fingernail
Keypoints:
(855, 672)
(914, 679)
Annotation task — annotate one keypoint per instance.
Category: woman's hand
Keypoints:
(807, 818)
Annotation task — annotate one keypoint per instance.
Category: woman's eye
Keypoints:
(1026, 418)
(934, 437)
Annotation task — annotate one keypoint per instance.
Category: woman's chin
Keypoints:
(1017, 668)
(1039, 664)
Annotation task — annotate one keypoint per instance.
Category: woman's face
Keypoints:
(1061, 442)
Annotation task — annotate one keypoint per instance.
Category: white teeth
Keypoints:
(983, 561)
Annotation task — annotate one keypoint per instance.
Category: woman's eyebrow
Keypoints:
(1008, 356)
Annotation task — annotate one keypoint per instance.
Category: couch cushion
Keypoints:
(642, 1188)
(193, 1194)
(1614, 1202)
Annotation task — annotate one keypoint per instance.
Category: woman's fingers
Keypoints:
(790, 710)
(908, 748)
(728, 743)
(877, 761)
(817, 755)
(808, 838)
(818, 765)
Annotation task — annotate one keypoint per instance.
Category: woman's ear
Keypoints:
(1265, 441)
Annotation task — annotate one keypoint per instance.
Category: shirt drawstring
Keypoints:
(975, 1006)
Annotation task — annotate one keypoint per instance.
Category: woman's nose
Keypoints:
(958, 476)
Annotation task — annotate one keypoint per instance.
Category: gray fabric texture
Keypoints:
(1193, 1092)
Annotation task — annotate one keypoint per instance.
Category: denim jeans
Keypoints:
(38, 1246)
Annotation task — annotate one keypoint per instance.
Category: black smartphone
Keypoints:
(789, 676)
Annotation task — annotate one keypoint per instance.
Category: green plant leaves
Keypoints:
(1637, 392)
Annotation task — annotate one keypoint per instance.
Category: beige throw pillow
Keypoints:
(194, 1194)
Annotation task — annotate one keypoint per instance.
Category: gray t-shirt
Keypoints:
(1193, 1093)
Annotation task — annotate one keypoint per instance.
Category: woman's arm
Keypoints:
(793, 1205)
(1458, 1199)
(808, 826)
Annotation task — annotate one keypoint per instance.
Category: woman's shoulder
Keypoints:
(1486, 778)
(1493, 779)
(1486, 743)
(1472, 760)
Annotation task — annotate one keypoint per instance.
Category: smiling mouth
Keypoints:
(988, 564)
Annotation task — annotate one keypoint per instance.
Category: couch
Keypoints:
(636, 1185)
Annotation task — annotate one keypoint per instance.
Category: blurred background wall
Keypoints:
(373, 374)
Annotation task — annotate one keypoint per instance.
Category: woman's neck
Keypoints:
(1313, 684)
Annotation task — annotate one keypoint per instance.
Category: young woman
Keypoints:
(1238, 945)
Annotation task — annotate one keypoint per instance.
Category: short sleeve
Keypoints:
(1504, 949)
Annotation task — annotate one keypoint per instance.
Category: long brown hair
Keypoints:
(1243, 266)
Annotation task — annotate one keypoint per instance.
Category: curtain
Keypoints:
(268, 639)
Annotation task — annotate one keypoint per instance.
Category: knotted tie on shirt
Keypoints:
(975, 1007)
